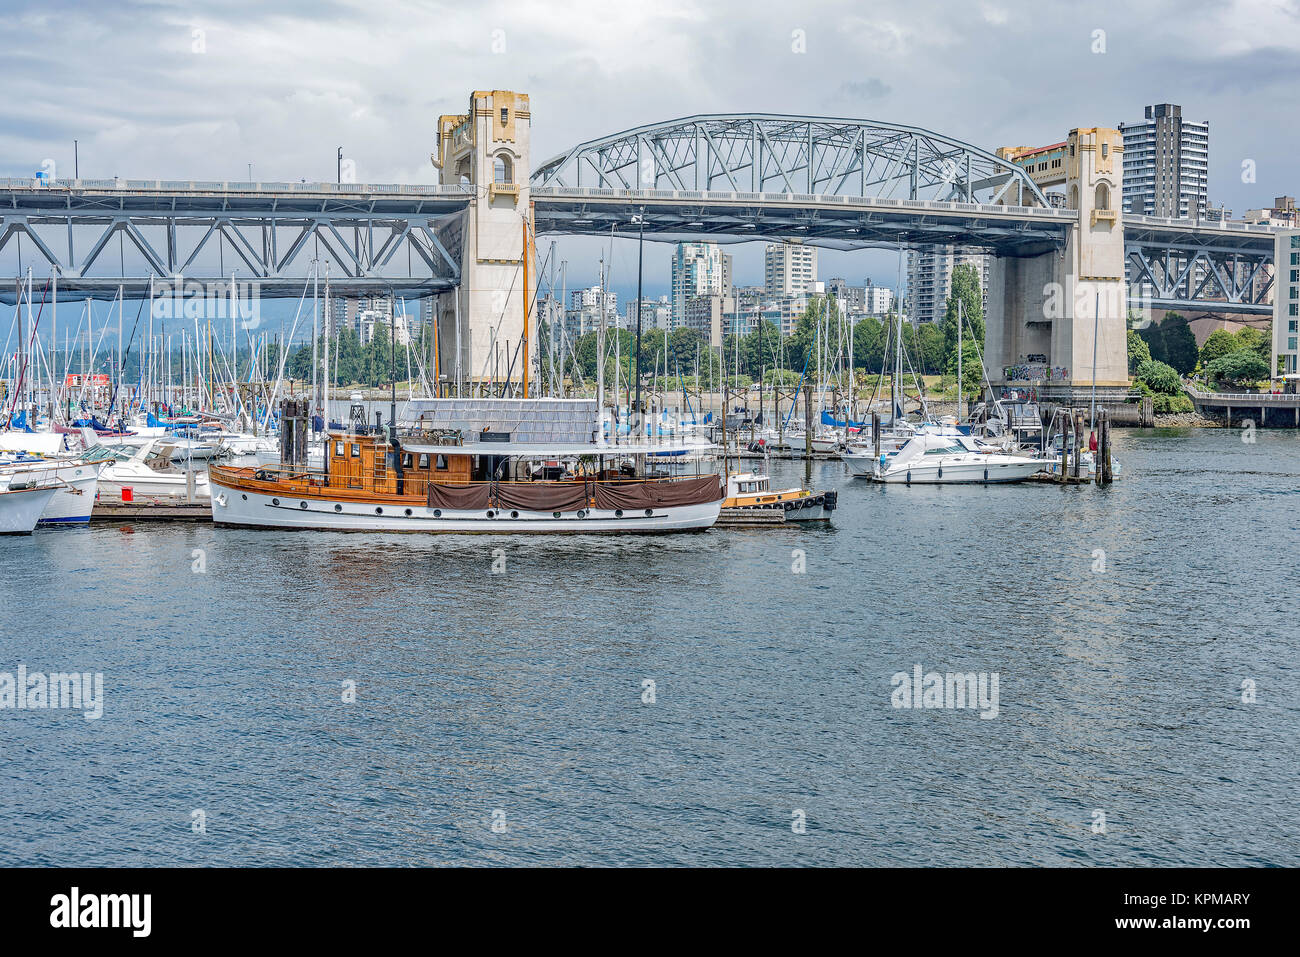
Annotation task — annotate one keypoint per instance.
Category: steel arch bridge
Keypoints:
(765, 152)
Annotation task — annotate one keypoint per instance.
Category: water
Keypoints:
(521, 693)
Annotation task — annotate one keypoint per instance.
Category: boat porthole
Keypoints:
(582, 513)
(338, 508)
(649, 512)
(555, 514)
(491, 514)
(244, 497)
(514, 514)
(302, 504)
(275, 501)
(437, 513)
(618, 513)
(379, 511)
(408, 513)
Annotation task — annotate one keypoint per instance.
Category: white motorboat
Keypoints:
(940, 458)
(21, 508)
(77, 480)
(147, 471)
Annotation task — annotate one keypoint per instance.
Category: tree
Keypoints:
(1240, 368)
(1179, 344)
(1159, 377)
(1138, 352)
(933, 352)
(869, 344)
(972, 376)
(966, 288)
(1258, 341)
(1219, 344)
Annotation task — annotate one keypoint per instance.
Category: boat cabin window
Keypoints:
(407, 460)
(950, 450)
(356, 450)
(338, 449)
(424, 460)
(441, 464)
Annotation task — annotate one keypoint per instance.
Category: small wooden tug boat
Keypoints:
(467, 465)
(750, 491)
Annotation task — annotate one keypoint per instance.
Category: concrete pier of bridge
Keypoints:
(1055, 316)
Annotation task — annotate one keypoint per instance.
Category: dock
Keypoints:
(110, 510)
(751, 517)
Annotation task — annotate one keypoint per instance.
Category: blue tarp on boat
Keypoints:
(828, 419)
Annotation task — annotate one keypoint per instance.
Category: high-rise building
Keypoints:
(583, 314)
(1286, 298)
(789, 269)
(929, 278)
(655, 313)
(1166, 164)
(877, 300)
(704, 314)
(345, 309)
(699, 269)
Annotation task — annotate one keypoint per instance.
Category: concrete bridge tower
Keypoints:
(486, 332)
(1041, 309)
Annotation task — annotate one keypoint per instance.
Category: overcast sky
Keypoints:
(180, 90)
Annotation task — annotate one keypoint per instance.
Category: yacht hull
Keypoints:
(20, 510)
(233, 506)
(980, 473)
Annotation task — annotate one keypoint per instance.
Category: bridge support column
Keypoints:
(491, 316)
(1042, 309)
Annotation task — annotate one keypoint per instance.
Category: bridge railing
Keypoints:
(600, 192)
(228, 186)
(1133, 219)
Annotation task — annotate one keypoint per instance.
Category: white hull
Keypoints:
(234, 507)
(990, 472)
(21, 510)
(74, 496)
(159, 484)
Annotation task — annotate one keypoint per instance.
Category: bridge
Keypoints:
(837, 183)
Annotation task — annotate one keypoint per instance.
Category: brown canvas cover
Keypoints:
(542, 496)
(459, 497)
(658, 494)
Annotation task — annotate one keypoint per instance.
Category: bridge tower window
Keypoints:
(502, 170)
(1103, 196)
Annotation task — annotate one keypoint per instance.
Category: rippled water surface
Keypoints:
(520, 694)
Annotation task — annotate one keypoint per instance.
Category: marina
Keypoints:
(548, 439)
(458, 714)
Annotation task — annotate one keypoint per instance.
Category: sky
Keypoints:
(178, 90)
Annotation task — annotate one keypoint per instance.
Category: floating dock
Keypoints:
(750, 517)
(108, 510)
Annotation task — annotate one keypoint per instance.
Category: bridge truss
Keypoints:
(102, 236)
(760, 152)
(1177, 264)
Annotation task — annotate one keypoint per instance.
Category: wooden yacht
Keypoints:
(484, 465)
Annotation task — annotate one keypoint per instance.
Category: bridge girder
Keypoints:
(763, 152)
(131, 235)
